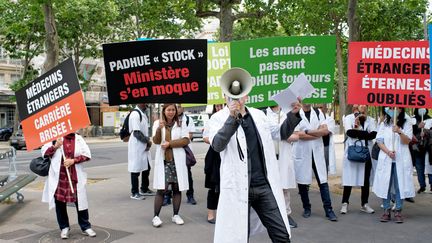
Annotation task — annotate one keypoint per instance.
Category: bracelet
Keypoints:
(306, 131)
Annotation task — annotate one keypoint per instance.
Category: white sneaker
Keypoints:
(64, 233)
(344, 208)
(137, 196)
(367, 209)
(156, 221)
(89, 232)
(177, 219)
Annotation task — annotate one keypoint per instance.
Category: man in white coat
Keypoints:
(249, 174)
(284, 153)
(309, 157)
(138, 152)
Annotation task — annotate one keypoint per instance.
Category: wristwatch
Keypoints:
(306, 131)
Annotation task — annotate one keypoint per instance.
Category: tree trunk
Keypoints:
(226, 21)
(354, 34)
(341, 84)
(51, 40)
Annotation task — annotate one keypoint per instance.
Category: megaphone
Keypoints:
(236, 83)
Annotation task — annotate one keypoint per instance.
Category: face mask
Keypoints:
(389, 112)
(422, 111)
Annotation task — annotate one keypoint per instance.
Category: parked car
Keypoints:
(17, 140)
(199, 126)
(6, 133)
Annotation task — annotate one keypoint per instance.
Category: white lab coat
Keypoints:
(138, 158)
(428, 167)
(304, 149)
(353, 173)
(284, 148)
(331, 126)
(404, 168)
(233, 213)
(179, 158)
(51, 183)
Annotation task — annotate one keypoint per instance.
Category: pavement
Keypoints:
(117, 218)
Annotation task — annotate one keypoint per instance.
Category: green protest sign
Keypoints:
(218, 61)
(274, 63)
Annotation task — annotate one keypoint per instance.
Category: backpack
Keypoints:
(124, 131)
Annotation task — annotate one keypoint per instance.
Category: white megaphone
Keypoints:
(236, 83)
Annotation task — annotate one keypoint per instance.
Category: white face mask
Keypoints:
(422, 111)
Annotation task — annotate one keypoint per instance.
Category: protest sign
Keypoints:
(52, 106)
(218, 62)
(430, 41)
(389, 74)
(274, 64)
(156, 71)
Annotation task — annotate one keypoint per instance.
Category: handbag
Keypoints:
(375, 151)
(40, 165)
(190, 158)
(358, 153)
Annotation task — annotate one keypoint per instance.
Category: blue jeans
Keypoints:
(397, 197)
(420, 168)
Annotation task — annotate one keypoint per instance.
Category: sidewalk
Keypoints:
(117, 218)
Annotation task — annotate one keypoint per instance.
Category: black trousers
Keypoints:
(63, 219)
(145, 183)
(212, 199)
(261, 199)
(364, 189)
(190, 192)
(324, 191)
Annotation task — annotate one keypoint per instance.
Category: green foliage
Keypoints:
(155, 19)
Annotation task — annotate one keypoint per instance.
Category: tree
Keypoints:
(155, 19)
(228, 12)
(51, 37)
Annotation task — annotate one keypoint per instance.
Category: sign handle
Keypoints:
(67, 171)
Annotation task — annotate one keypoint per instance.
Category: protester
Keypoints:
(428, 158)
(138, 156)
(309, 157)
(284, 154)
(67, 153)
(212, 176)
(419, 146)
(361, 129)
(249, 175)
(394, 169)
(170, 161)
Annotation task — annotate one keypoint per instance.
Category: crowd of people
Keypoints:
(255, 161)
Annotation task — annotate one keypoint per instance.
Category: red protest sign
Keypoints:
(52, 106)
(389, 73)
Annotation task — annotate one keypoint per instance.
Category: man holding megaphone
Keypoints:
(249, 172)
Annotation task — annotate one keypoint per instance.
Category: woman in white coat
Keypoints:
(358, 127)
(67, 153)
(170, 171)
(394, 170)
(284, 152)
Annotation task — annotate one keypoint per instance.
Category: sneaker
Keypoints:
(386, 216)
(344, 208)
(191, 200)
(166, 201)
(64, 233)
(331, 215)
(137, 196)
(291, 222)
(89, 232)
(177, 220)
(147, 193)
(156, 221)
(367, 209)
(306, 213)
(398, 217)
